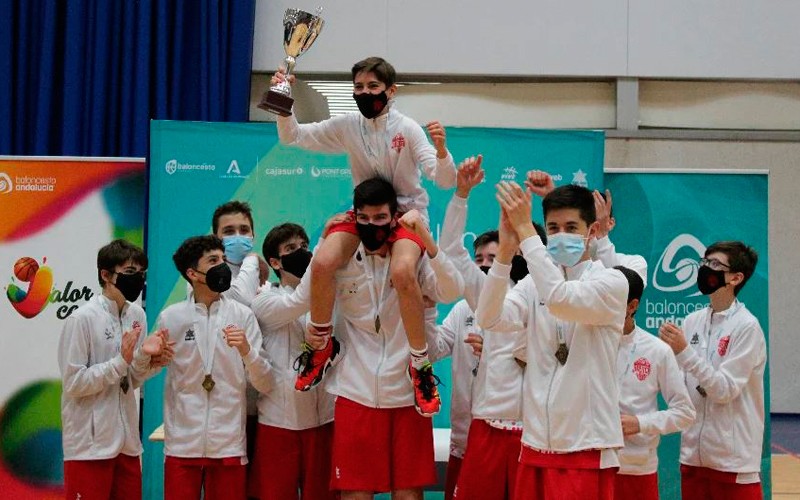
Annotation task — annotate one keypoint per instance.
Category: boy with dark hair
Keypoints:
(295, 431)
(487, 392)
(600, 246)
(103, 357)
(572, 311)
(381, 443)
(286, 249)
(723, 352)
(380, 142)
(232, 222)
(204, 393)
(647, 367)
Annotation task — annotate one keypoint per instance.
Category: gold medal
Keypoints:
(208, 383)
(378, 324)
(562, 353)
(124, 384)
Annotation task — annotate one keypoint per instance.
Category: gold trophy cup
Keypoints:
(300, 30)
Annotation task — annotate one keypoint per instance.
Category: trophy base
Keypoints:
(276, 102)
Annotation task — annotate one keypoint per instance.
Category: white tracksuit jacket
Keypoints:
(282, 316)
(373, 369)
(197, 423)
(391, 146)
(99, 420)
(646, 366)
(726, 356)
(606, 253)
(497, 389)
(573, 407)
(460, 322)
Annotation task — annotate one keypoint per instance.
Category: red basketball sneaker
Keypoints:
(311, 365)
(426, 395)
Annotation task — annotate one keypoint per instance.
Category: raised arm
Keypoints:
(607, 254)
(274, 309)
(322, 136)
(599, 300)
(500, 309)
(451, 240)
(435, 161)
(449, 285)
(244, 287)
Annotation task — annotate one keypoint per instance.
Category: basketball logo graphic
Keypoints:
(25, 268)
(32, 301)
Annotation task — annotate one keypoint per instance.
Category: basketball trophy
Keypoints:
(300, 29)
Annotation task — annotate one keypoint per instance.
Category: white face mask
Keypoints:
(566, 248)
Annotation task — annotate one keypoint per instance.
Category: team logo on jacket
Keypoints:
(398, 142)
(189, 335)
(695, 339)
(722, 347)
(641, 367)
(109, 334)
(469, 321)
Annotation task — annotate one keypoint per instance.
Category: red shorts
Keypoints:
(451, 476)
(119, 478)
(398, 233)
(709, 484)
(563, 476)
(381, 449)
(489, 470)
(291, 460)
(629, 487)
(218, 478)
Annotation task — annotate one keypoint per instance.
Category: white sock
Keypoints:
(419, 358)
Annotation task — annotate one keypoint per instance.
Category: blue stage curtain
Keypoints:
(84, 77)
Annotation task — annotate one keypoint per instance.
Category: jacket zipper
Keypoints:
(208, 394)
(120, 396)
(547, 406)
(705, 399)
(378, 370)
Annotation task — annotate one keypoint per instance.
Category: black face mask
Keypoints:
(130, 285)
(373, 236)
(218, 278)
(485, 269)
(709, 280)
(519, 268)
(296, 262)
(371, 105)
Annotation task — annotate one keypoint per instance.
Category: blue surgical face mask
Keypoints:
(566, 248)
(237, 247)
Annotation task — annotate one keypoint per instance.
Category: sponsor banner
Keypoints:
(195, 167)
(56, 214)
(670, 218)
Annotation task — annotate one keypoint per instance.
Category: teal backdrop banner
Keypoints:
(670, 218)
(194, 167)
